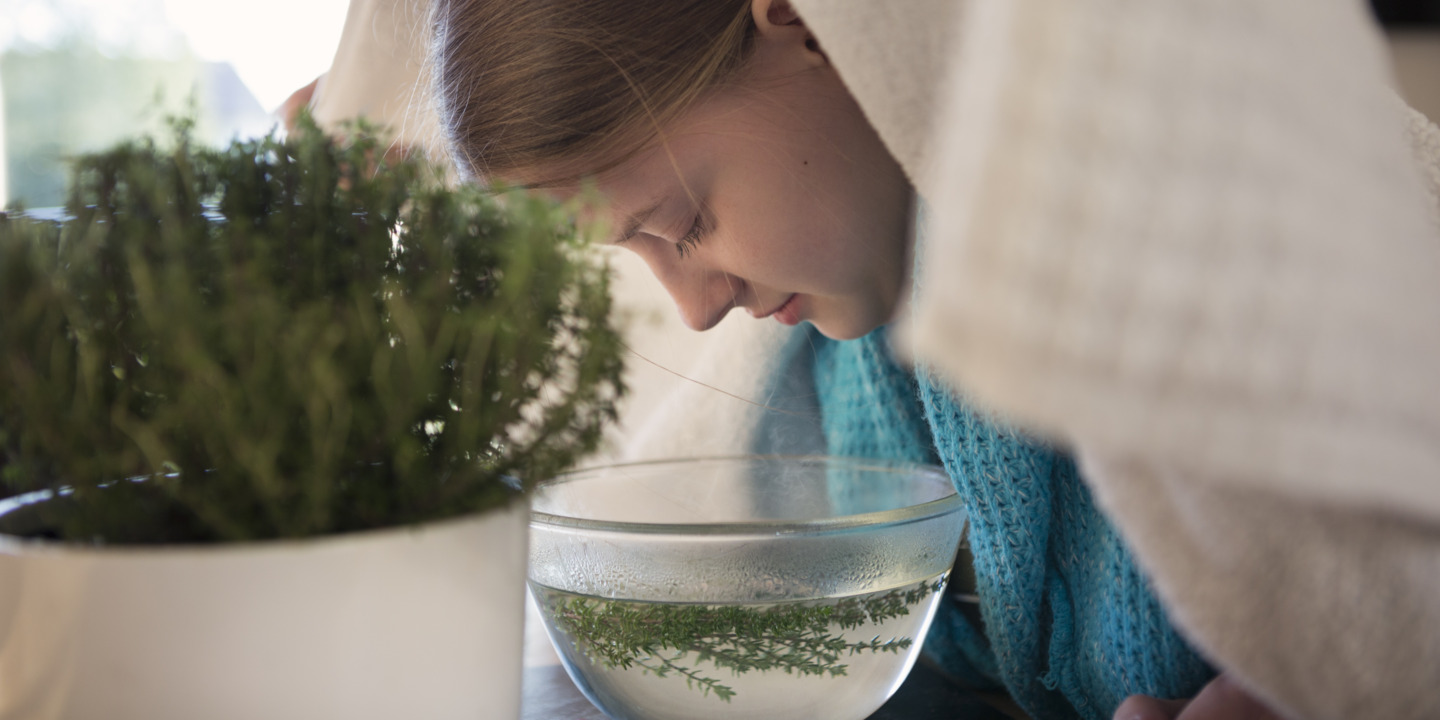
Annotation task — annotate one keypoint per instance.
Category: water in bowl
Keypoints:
(833, 657)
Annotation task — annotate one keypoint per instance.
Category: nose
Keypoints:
(703, 295)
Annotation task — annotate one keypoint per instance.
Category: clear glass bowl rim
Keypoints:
(948, 504)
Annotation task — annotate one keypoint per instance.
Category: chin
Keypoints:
(846, 331)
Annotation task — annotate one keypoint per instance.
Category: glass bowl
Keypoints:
(743, 587)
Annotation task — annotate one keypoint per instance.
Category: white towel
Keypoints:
(1192, 241)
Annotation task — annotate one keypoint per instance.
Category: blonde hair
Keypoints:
(526, 85)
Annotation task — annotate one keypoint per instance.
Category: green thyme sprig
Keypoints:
(800, 639)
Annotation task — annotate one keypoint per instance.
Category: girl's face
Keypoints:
(772, 194)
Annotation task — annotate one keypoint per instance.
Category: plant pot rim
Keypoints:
(16, 545)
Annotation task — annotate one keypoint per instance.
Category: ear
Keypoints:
(778, 20)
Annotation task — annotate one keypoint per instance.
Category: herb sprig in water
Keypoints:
(801, 639)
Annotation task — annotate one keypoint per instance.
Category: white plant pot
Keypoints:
(422, 623)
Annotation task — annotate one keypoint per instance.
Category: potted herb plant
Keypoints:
(267, 418)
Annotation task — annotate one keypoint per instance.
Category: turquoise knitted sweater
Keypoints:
(1071, 626)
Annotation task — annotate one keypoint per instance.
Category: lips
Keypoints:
(785, 311)
(788, 312)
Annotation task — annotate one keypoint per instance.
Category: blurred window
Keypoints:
(77, 75)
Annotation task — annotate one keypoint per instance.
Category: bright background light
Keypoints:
(276, 46)
(77, 76)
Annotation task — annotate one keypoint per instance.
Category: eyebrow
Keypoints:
(633, 223)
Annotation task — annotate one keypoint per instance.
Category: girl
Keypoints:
(739, 165)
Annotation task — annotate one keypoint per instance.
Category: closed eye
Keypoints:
(686, 244)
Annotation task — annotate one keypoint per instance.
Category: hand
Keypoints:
(289, 113)
(1221, 699)
(301, 98)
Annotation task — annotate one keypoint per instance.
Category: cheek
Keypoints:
(773, 250)
(800, 215)
(807, 251)
(779, 225)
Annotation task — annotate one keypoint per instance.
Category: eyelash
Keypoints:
(686, 244)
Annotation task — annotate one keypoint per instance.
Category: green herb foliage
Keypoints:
(798, 638)
(289, 337)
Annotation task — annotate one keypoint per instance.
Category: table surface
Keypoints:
(548, 693)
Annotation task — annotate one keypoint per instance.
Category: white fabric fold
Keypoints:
(1198, 243)
(1191, 232)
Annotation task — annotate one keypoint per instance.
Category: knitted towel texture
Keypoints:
(1072, 625)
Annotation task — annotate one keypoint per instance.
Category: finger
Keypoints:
(1144, 707)
(1224, 699)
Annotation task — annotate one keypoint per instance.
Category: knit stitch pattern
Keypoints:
(1071, 623)
(868, 403)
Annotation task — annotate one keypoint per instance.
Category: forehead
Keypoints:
(670, 169)
(625, 196)
(613, 199)
(662, 156)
